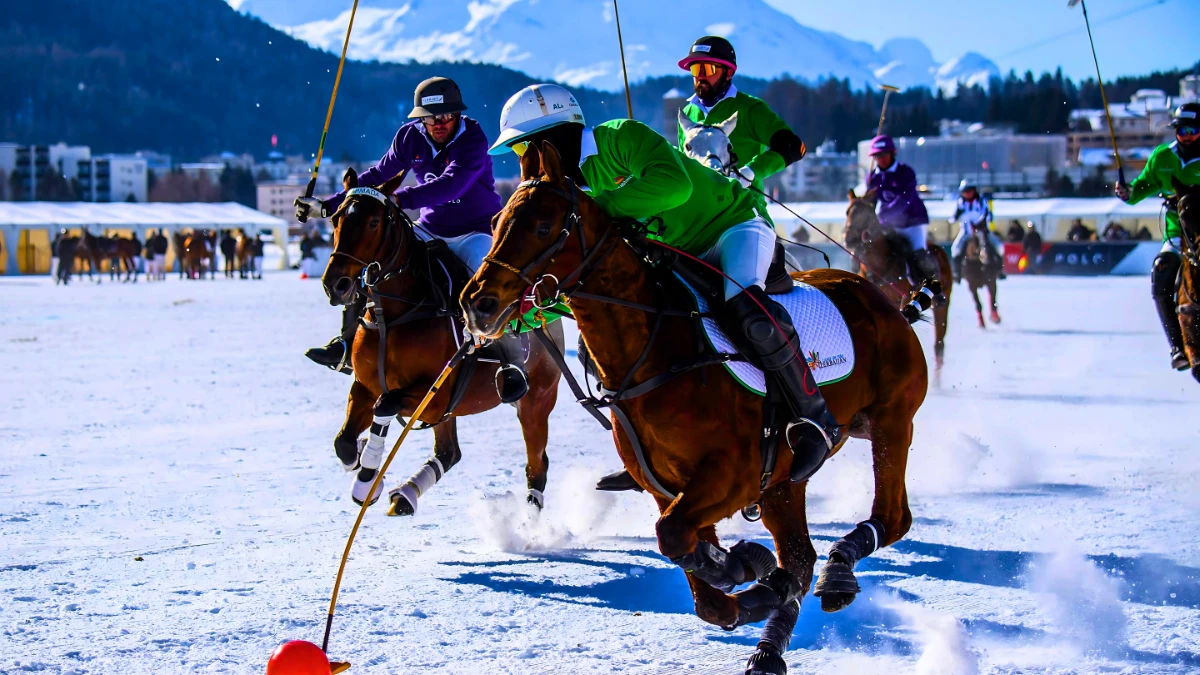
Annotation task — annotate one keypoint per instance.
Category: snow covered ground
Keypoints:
(170, 502)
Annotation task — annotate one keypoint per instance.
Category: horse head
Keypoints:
(539, 236)
(370, 234)
(709, 144)
(862, 225)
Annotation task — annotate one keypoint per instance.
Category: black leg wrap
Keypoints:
(860, 543)
(777, 634)
(766, 661)
(775, 590)
(714, 566)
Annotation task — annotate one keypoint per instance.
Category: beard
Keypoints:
(709, 93)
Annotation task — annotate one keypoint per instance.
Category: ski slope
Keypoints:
(170, 503)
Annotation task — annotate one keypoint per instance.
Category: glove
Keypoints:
(745, 176)
(1122, 192)
(310, 207)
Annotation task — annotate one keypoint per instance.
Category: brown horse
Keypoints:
(127, 251)
(420, 339)
(179, 242)
(884, 263)
(701, 437)
(1188, 296)
(245, 253)
(94, 251)
(198, 249)
(980, 271)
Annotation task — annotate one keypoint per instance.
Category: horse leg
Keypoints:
(992, 298)
(891, 435)
(533, 411)
(940, 324)
(369, 455)
(358, 418)
(687, 537)
(785, 518)
(446, 454)
(1189, 321)
(978, 304)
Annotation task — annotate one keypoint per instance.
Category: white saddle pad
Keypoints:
(824, 338)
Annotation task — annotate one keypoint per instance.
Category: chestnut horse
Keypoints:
(1189, 285)
(378, 237)
(198, 248)
(980, 271)
(882, 254)
(246, 250)
(701, 437)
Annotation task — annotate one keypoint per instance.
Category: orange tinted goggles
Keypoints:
(702, 69)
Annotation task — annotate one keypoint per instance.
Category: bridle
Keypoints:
(728, 168)
(395, 222)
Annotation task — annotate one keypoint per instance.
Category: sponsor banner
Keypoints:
(1090, 258)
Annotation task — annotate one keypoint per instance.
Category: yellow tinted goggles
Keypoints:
(520, 148)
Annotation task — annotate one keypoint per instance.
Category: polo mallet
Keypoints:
(468, 345)
(624, 72)
(312, 182)
(1112, 132)
(887, 91)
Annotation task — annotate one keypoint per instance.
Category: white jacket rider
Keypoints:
(972, 215)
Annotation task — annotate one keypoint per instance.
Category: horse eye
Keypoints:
(687, 146)
(543, 230)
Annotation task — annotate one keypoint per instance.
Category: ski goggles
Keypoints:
(520, 148)
(705, 69)
(1187, 130)
(434, 120)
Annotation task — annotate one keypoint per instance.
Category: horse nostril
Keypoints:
(486, 305)
(343, 285)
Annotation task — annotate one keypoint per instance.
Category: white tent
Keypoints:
(39, 221)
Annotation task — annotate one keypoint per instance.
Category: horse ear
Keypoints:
(852, 196)
(552, 164)
(686, 122)
(531, 163)
(729, 125)
(350, 178)
(871, 196)
(391, 185)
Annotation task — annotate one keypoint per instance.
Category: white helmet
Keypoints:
(967, 185)
(534, 108)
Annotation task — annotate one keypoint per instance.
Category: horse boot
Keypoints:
(511, 382)
(1162, 289)
(770, 341)
(922, 264)
(336, 354)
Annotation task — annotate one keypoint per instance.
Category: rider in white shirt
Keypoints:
(971, 215)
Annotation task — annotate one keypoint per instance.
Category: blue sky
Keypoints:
(1148, 35)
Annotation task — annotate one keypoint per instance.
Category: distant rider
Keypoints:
(901, 210)
(632, 172)
(1169, 162)
(455, 192)
(763, 144)
(973, 215)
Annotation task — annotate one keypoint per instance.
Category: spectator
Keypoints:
(800, 236)
(310, 242)
(1016, 233)
(160, 254)
(1115, 231)
(1079, 231)
(1031, 244)
(1143, 235)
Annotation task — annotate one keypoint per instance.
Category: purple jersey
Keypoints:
(900, 205)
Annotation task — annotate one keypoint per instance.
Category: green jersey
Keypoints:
(751, 138)
(631, 171)
(1165, 164)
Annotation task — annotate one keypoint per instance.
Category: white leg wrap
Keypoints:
(372, 455)
(420, 482)
(361, 488)
(537, 497)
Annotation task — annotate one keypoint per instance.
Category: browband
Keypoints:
(370, 192)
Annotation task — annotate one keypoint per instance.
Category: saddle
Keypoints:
(712, 285)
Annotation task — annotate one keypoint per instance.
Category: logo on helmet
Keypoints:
(430, 100)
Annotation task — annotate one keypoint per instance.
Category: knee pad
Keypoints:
(1164, 273)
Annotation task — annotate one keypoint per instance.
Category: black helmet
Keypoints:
(711, 49)
(1188, 113)
(436, 96)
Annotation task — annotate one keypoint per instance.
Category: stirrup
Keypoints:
(506, 376)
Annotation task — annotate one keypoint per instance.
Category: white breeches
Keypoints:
(743, 252)
(471, 248)
(964, 233)
(1171, 245)
(915, 234)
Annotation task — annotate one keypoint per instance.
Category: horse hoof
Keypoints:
(837, 586)
(1196, 372)
(979, 316)
(400, 504)
(766, 662)
(536, 498)
(995, 317)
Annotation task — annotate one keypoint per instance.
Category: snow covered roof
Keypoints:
(1004, 209)
(122, 214)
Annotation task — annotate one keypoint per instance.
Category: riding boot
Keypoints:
(769, 340)
(923, 265)
(336, 354)
(956, 263)
(996, 258)
(1163, 276)
(511, 382)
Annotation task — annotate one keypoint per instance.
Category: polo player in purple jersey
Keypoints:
(447, 152)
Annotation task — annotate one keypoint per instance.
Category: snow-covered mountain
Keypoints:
(575, 41)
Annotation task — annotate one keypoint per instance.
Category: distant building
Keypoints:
(104, 178)
(242, 161)
(823, 175)
(1140, 125)
(277, 199)
(210, 170)
(998, 160)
